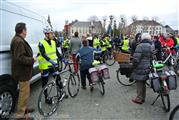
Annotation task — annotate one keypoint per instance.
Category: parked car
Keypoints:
(10, 15)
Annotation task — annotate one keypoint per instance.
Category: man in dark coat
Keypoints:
(141, 62)
(22, 65)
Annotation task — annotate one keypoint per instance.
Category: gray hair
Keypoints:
(146, 36)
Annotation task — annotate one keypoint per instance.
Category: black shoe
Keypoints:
(83, 87)
(91, 88)
(48, 101)
(131, 80)
(103, 82)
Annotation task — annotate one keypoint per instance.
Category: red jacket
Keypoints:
(168, 43)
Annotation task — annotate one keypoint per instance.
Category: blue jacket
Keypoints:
(86, 56)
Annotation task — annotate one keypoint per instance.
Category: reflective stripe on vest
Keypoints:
(50, 51)
(125, 45)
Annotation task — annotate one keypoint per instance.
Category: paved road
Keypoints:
(114, 105)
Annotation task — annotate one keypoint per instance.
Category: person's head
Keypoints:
(138, 37)
(21, 29)
(145, 36)
(83, 37)
(85, 42)
(155, 38)
(48, 33)
(165, 36)
(76, 34)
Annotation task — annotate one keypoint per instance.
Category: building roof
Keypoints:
(85, 24)
(145, 22)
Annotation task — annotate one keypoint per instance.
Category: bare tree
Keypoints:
(93, 18)
(155, 18)
(134, 18)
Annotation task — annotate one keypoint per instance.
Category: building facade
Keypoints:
(147, 26)
(83, 28)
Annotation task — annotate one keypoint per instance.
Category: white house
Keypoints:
(149, 26)
(85, 27)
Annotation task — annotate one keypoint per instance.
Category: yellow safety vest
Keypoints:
(103, 46)
(108, 43)
(177, 40)
(96, 43)
(66, 44)
(50, 50)
(125, 45)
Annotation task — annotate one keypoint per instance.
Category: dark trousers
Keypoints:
(102, 55)
(45, 77)
(85, 74)
(141, 89)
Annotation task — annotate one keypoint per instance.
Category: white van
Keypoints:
(10, 15)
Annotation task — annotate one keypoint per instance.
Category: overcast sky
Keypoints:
(60, 10)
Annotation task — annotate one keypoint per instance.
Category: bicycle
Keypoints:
(98, 79)
(176, 60)
(56, 91)
(174, 115)
(109, 58)
(161, 88)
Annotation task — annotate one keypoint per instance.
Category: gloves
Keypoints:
(53, 63)
(65, 61)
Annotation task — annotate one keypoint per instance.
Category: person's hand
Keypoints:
(65, 61)
(53, 63)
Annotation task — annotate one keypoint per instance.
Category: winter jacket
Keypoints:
(86, 56)
(142, 61)
(75, 45)
(22, 59)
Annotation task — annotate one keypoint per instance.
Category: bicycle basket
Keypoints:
(93, 74)
(105, 71)
(121, 57)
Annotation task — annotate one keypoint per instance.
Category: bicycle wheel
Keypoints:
(165, 101)
(73, 85)
(122, 79)
(109, 59)
(174, 115)
(101, 87)
(47, 109)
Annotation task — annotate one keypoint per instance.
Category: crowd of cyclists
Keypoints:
(88, 50)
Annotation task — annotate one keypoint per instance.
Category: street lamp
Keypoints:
(111, 19)
(104, 27)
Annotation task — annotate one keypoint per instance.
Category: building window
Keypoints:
(156, 32)
(72, 31)
(84, 30)
(150, 32)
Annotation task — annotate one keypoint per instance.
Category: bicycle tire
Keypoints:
(108, 57)
(74, 82)
(173, 113)
(166, 105)
(101, 87)
(40, 104)
(126, 83)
